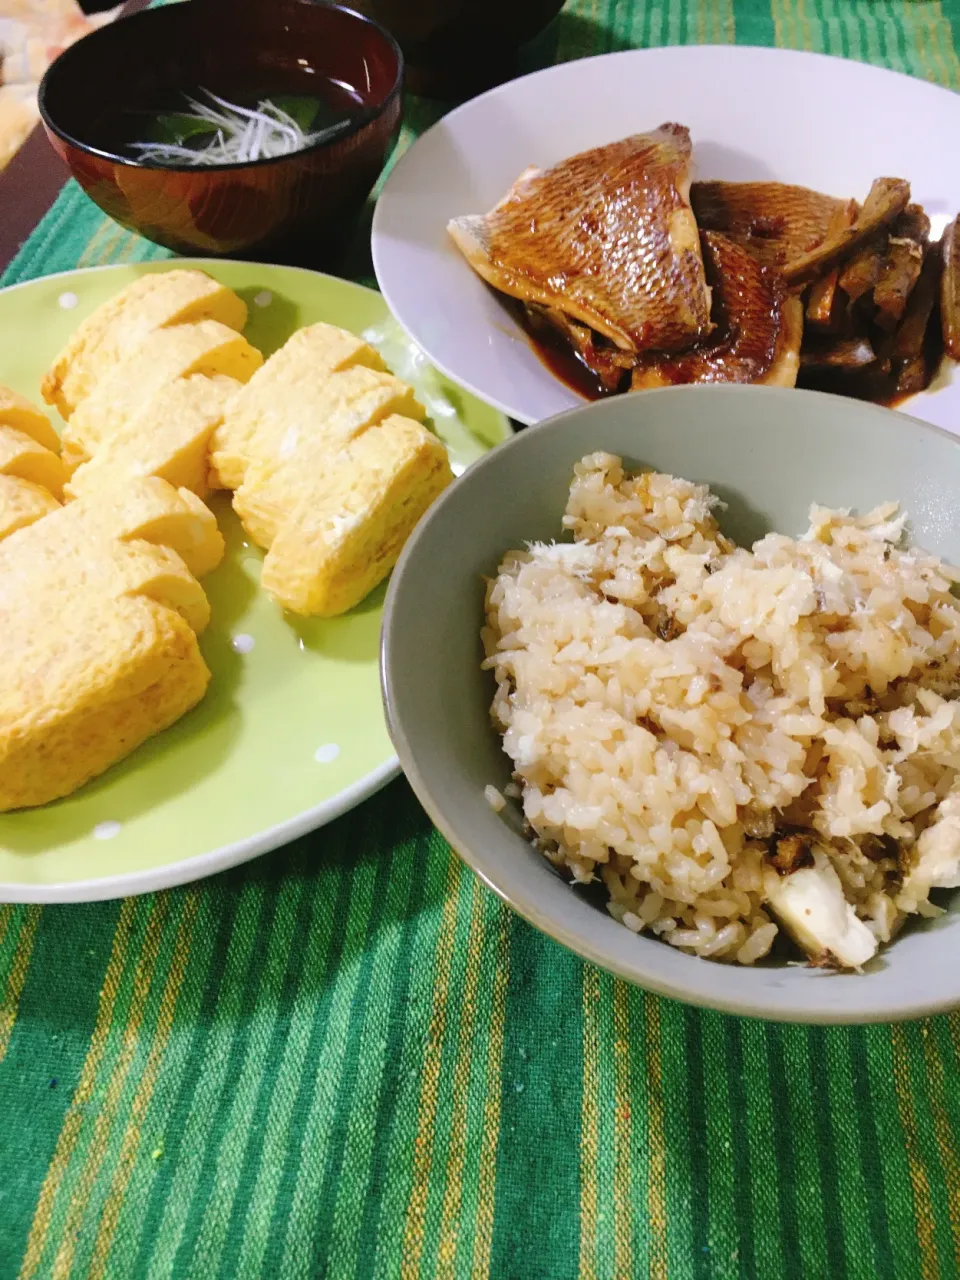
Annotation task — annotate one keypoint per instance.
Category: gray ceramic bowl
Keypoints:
(768, 453)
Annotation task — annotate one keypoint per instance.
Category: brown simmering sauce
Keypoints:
(880, 391)
(565, 365)
(560, 358)
(878, 388)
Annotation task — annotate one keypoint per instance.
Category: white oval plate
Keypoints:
(754, 114)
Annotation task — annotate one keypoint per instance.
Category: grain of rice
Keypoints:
(495, 799)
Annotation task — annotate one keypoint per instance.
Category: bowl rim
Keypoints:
(874, 1010)
(350, 129)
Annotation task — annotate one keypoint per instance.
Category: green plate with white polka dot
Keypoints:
(291, 733)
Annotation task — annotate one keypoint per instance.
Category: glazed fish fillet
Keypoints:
(607, 237)
(759, 327)
(777, 222)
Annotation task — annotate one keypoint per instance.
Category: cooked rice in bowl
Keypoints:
(735, 741)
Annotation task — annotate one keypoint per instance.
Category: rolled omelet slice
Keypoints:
(31, 471)
(167, 436)
(347, 530)
(16, 411)
(23, 503)
(324, 385)
(151, 510)
(138, 672)
(321, 349)
(98, 636)
(24, 459)
(326, 416)
(139, 511)
(154, 301)
(131, 386)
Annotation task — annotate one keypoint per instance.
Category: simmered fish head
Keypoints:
(606, 237)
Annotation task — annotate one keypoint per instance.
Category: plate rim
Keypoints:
(194, 263)
(171, 875)
(213, 861)
(774, 52)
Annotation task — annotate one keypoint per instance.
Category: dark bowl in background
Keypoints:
(455, 49)
(298, 206)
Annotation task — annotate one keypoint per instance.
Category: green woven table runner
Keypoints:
(347, 1059)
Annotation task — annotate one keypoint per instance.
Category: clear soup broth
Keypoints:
(199, 125)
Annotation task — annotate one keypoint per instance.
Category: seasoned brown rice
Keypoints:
(697, 724)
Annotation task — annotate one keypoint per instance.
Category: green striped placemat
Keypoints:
(347, 1059)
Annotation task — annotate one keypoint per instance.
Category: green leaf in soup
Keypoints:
(177, 128)
(302, 109)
